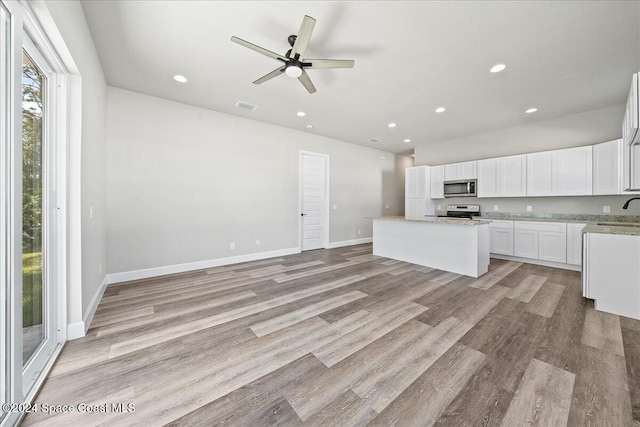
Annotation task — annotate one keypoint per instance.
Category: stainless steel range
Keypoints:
(462, 211)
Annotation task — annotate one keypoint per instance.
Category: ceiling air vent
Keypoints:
(246, 105)
(375, 140)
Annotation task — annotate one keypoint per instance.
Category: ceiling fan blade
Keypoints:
(274, 73)
(306, 82)
(303, 37)
(317, 64)
(258, 49)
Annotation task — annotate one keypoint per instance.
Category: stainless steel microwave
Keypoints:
(462, 188)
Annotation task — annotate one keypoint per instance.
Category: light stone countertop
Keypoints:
(628, 230)
(433, 220)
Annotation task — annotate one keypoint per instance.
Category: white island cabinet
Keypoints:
(456, 246)
(611, 271)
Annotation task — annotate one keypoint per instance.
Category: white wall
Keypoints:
(184, 182)
(572, 130)
(71, 24)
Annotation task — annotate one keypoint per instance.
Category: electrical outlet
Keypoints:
(495, 207)
(358, 231)
(335, 207)
(529, 208)
(232, 246)
(386, 206)
(439, 207)
(91, 212)
(257, 242)
(606, 209)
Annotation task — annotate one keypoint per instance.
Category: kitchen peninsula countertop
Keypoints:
(434, 220)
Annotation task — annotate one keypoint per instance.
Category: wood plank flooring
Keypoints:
(341, 337)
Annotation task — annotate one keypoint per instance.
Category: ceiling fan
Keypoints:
(294, 63)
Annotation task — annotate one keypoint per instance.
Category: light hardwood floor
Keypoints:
(343, 338)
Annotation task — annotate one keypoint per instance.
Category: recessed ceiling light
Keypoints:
(309, 127)
(497, 68)
(392, 125)
(180, 78)
(531, 110)
(407, 140)
(374, 140)
(383, 158)
(440, 110)
(301, 114)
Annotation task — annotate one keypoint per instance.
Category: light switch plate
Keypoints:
(335, 207)
(495, 207)
(606, 209)
(529, 208)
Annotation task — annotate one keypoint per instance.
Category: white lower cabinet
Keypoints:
(574, 243)
(525, 244)
(552, 246)
(501, 233)
(546, 241)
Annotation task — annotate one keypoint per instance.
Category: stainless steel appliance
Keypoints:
(462, 211)
(462, 188)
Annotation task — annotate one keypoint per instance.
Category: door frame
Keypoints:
(24, 24)
(327, 205)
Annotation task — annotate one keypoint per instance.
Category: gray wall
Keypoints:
(184, 182)
(70, 21)
(560, 205)
(572, 130)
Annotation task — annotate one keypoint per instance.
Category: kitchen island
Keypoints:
(455, 245)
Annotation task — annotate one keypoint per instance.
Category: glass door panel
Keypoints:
(33, 291)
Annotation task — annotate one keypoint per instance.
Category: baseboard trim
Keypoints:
(343, 243)
(79, 329)
(146, 273)
(538, 262)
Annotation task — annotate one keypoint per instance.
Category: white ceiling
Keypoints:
(562, 57)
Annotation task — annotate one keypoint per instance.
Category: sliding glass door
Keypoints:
(39, 314)
(32, 178)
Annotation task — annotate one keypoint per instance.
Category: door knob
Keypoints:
(303, 214)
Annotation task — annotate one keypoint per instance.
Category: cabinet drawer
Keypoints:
(501, 223)
(558, 227)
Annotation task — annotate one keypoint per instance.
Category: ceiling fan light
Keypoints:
(294, 71)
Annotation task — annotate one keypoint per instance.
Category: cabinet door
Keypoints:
(607, 173)
(574, 243)
(525, 244)
(414, 208)
(488, 178)
(631, 114)
(552, 246)
(410, 183)
(540, 174)
(501, 241)
(511, 176)
(468, 170)
(573, 170)
(421, 189)
(451, 172)
(437, 180)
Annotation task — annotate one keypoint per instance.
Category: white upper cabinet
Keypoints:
(540, 174)
(630, 122)
(574, 171)
(416, 182)
(488, 178)
(437, 182)
(560, 173)
(503, 177)
(607, 171)
(512, 176)
(458, 171)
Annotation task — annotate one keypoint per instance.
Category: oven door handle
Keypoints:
(469, 187)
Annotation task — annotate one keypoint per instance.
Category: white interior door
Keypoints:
(312, 198)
